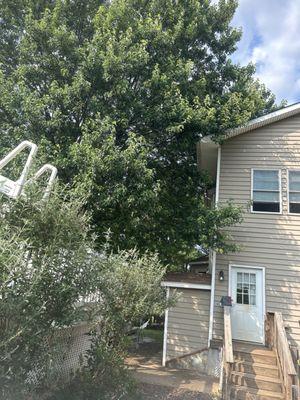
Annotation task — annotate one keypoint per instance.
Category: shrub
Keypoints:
(48, 265)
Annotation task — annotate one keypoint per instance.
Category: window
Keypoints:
(266, 191)
(294, 192)
(246, 288)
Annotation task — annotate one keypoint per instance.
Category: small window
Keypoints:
(246, 288)
(294, 192)
(266, 191)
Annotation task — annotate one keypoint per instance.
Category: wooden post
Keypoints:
(228, 335)
(227, 353)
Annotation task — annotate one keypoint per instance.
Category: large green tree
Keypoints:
(117, 94)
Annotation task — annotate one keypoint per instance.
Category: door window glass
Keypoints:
(246, 288)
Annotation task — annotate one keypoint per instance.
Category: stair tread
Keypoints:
(256, 357)
(249, 348)
(258, 392)
(257, 364)
(260, 352)
(257, 377)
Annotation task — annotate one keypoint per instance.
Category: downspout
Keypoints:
(213, 257)
(164, 357)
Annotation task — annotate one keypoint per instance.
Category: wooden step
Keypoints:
(244, 393)
(253, 350)
(249, 347)
(248, 367)
(259, 356)
(263, 382)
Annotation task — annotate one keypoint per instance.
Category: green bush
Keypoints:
(48, 264)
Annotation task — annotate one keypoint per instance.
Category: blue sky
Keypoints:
(271, 39)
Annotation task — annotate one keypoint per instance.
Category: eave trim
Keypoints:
(185, 285)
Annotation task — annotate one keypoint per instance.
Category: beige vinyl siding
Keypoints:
(188, 322)
(267, 240)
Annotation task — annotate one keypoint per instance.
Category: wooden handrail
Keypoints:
(286, 364)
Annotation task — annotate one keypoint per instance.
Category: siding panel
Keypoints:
(188, 323)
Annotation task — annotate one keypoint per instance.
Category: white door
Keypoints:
(247, 315)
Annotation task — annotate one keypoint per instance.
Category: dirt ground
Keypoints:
(158, 383)
(155, 392)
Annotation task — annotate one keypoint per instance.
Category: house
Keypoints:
(257, 167)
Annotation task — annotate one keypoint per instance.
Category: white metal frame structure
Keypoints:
(14, 189)
(53, 173)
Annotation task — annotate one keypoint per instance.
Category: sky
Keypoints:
(271, 39)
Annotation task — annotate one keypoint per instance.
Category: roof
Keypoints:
(200, 260)
(187, 277)
(267, 119)
(207, 148)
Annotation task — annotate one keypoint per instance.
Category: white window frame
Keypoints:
(280, 191)
(288, 189)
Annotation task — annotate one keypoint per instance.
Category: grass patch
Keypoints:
(156, 334)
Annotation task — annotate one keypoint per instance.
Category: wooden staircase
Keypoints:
(255, 374)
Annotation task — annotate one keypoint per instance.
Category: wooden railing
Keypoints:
(227, 356)
(278, 340)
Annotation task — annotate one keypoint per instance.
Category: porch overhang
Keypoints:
(187, 280)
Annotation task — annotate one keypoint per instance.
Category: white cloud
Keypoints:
(271, 39)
